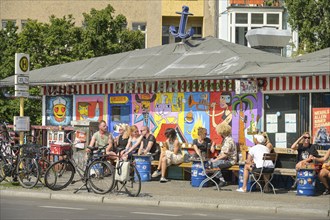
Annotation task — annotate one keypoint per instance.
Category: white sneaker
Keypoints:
(163, 180)
(156, 174)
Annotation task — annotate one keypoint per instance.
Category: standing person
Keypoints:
(228, 154)
(149, 143)
(324, 174)
(172, 155)
(121, 140)
(202, 144)
(102, 138)
(305, 149)
(133, 142)
(267, 142)
(255, 160)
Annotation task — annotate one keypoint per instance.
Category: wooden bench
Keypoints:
(189, 165)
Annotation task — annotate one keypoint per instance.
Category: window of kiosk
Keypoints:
(287, 115)
(120, 114)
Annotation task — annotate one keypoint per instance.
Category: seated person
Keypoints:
(133, 142)
(324, 174)
(255, 160)
(228, 154)
(148, 143)
(305, 149)
(267, 142)
(121, 141)
(202, 144)
(172, 154)
(102, 138)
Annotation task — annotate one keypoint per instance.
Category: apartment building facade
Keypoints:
(152, 17)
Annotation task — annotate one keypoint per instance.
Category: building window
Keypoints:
(5, 22)
(240, 33)
(257, 18)
(241, 18)
(197, 32)
(273, 19)
(141, 27)
(23, 23)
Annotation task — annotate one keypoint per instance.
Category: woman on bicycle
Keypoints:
(172, 154)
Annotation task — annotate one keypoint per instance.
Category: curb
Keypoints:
(166, 203)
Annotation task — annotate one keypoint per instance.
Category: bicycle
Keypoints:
(97, 172)
(17, 165)
(132, 184)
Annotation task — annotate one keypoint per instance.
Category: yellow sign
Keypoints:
(24, 64)
(118, 99)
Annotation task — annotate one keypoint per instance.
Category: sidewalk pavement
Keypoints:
(182, 194)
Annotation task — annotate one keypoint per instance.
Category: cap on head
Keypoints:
(260, 139)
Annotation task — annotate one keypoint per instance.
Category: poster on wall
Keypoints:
(280, 140)
(321, 127)
(88, 107)
(271, 123)
(290, 123)
(59, 110)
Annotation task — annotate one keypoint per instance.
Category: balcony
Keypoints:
(254, 3)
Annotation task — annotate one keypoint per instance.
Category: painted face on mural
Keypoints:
(83, 109)
(225, 100)
(59, 109)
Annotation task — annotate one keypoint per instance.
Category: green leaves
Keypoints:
(311, 18)
(60, 41)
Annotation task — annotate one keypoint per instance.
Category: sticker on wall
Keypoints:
(58, 110)
(89, 107)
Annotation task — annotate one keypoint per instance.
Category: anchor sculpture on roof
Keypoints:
(183, 23)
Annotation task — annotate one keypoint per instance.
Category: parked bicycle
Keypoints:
(97, 173)
(131, 183)
(20, 162)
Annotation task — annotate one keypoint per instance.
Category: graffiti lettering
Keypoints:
(60, 90)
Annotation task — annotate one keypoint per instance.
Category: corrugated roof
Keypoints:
(195, 59)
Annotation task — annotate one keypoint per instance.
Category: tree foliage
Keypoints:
(61, 41)
(311, 18)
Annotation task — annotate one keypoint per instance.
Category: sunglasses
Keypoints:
(142, 130)
(307, 137)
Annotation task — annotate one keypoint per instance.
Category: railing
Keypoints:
(261, 3)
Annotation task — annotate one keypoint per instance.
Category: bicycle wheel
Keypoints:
(27, 172)
(101, 176)
(59, 175)
(133, 185)
(43, 165)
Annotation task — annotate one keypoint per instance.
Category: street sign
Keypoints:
(22, 63)
(22, 88)
(21, 79)
(24, 94)
(21, 123)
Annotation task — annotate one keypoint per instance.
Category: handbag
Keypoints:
(122, 171)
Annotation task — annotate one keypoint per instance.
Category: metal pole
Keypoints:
(21, 113)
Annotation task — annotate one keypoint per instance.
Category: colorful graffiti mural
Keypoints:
(88, 107)
(247, 111)
(59, 110)
(142, 110)
(183, 111)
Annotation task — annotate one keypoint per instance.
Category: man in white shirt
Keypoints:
(255, 160)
